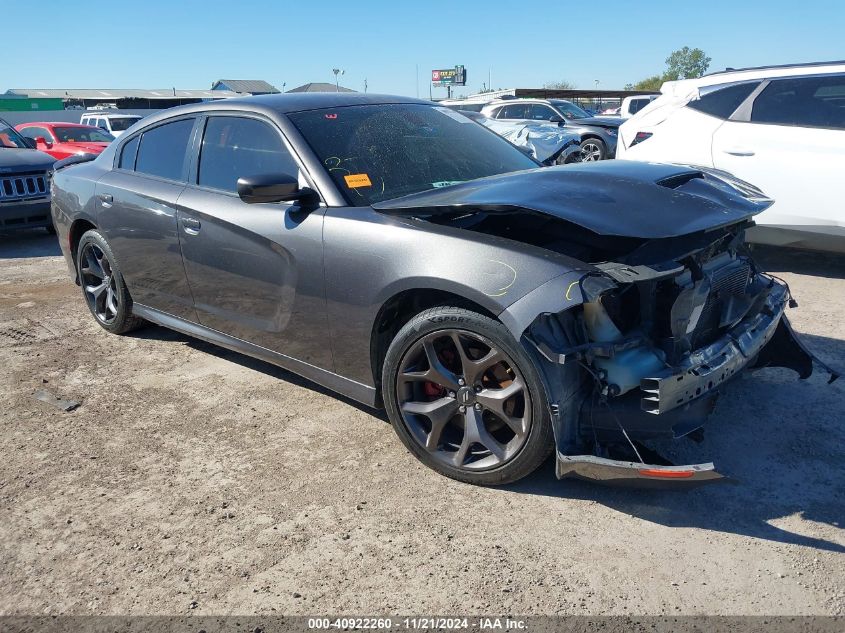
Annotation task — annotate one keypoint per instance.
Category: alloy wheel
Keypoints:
(590, 152)
(99, 283)
(463, 400)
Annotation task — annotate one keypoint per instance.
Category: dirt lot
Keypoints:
(196, 480)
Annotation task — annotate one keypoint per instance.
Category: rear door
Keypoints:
(790, 142)
(255, 270)
(685, 134)
(136, 205)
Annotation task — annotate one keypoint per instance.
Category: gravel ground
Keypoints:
(196, 480)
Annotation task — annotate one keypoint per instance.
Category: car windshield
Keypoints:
(118, 124)
(9, 137)
(82, 135)
(570, 110)
(379, 152)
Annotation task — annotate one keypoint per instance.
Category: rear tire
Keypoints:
(103, 286)
(493, 428)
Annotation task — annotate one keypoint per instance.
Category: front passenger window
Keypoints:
(804, 101)
(233, 147)
(541, 113)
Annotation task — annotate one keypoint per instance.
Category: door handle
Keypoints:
(106, 199)
(191, 225)
(738, 151)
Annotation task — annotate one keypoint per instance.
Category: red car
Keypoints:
(61, 140)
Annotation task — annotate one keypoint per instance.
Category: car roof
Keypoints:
(113, 116)
(760, 72)
(285, 103)
(776, 67)
(523, 100)
(301, 101)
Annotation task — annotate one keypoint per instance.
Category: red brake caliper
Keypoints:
(433, 390)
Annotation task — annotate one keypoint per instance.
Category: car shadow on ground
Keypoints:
(779, 439)
(780, 462)
(817, 264)
(28, 243)
(163, 334)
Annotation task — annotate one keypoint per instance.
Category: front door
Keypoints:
(255, 270)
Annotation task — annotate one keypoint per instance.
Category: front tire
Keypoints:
(465, 399)
(593, 150)
(102, 285)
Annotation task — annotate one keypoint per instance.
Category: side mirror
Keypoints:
(30, 142)
(42, 141)
(271, 188)
(556, 119)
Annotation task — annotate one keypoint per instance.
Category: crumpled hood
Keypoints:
(616, 197)
(16, 160)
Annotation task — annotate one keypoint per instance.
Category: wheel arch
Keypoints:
(77, 229)
(595, 135)
(400, 308)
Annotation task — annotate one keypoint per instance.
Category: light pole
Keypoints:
(337, 71)
(594, 101)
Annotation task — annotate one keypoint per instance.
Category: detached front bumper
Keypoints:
(677, 401)
(706, 369)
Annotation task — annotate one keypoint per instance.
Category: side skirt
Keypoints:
(349, 388)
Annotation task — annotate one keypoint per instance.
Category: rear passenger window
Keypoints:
(162, 150)
(127, 154)
(233, 147)
(805, 102)
(722, 101)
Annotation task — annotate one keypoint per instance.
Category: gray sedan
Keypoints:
(407, 258)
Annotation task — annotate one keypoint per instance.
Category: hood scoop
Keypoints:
(673, 182)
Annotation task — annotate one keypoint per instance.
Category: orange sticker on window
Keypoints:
(357, 180)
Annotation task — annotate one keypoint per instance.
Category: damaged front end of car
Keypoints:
(658, 306)
(644, 354)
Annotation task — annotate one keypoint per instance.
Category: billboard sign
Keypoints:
(456, 76)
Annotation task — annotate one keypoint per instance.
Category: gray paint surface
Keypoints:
(301, 284)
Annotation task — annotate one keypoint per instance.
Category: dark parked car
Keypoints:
(24, 182)
(598, 134)
(405, 257)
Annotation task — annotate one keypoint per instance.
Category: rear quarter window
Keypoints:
(162, 150)
(127, 154)
(722, 101)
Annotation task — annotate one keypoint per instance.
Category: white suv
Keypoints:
(631, 105)
(780, 128)
(114, 124)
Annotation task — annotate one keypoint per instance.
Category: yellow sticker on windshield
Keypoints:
(357, 180)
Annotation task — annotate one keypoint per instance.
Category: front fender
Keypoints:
(371, 257)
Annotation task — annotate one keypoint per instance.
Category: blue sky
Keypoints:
(190, 43)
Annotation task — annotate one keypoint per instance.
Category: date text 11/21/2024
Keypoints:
(418, 623)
